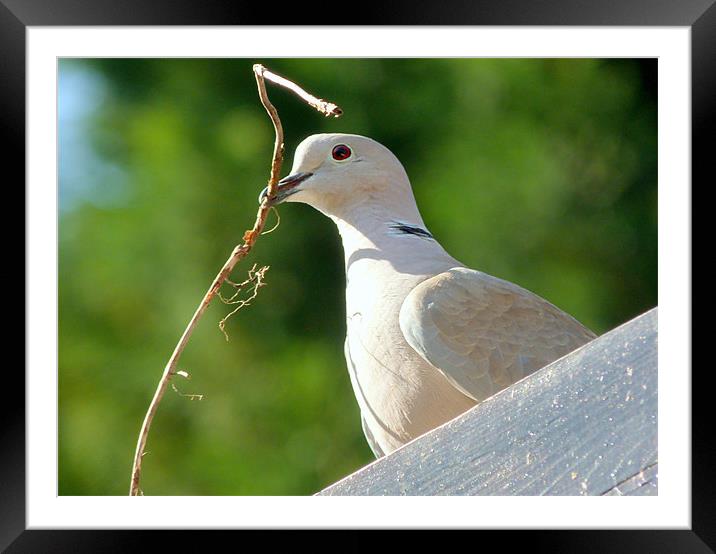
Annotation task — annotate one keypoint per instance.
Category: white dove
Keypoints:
(427, 338)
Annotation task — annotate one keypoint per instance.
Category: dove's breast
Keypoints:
(401, 396)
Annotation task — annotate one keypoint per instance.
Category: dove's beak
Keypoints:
(286, 187)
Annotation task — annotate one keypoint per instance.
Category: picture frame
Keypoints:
(16, 16)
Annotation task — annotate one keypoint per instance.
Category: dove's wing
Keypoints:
(483, 333)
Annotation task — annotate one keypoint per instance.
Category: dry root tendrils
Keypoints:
(185, 395)
(254, 282)
(186, 375)
(278, 221)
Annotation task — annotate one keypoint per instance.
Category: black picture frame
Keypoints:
(17, 15)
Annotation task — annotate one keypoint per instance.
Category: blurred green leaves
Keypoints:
(542, 172)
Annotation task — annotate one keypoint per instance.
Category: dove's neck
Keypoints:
(381, 241)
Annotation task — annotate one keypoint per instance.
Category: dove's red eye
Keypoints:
(341, 152)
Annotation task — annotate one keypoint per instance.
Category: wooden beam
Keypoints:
(584, 425)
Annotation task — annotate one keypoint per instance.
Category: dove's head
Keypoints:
(335, 173)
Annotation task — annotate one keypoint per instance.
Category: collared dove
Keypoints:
(427, 338)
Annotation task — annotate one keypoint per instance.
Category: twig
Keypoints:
(239, 252)
(326, 108)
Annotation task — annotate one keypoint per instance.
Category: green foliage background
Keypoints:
(542, 172)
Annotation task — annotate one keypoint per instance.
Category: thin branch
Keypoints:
(326, 108)
(277, 160)
(239, 252)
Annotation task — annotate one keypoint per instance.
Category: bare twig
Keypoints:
(326, 108)
(239, 252)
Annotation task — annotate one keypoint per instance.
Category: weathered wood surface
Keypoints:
(584, 425)
(643, 483)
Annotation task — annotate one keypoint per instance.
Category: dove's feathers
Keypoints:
(483, 333)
